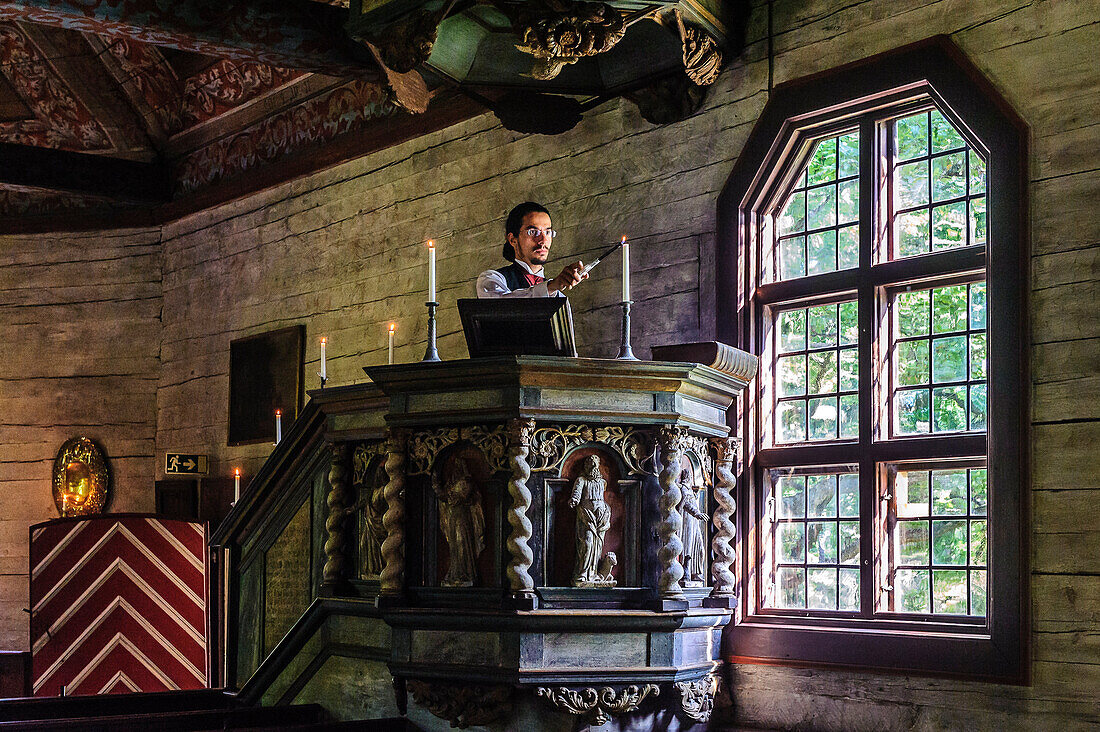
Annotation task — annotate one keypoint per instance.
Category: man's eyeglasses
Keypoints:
(533, 231)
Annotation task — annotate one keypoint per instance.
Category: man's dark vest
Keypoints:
(514, 277)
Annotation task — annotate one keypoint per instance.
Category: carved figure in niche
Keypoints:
(695, 529)
(593, 521)
(462, 522)
(372, 534)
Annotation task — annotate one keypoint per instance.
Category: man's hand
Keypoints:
(569, 276)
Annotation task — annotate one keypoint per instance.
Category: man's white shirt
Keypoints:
(491, 283)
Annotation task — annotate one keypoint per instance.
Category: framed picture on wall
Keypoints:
(265, 374)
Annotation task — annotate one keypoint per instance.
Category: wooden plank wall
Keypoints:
(80, 335)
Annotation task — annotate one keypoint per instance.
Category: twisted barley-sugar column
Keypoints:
(392, 577)
(519, 441)
(335, 559)
(672, 546)
(728, 449)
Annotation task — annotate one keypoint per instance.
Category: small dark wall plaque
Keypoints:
(265, 374)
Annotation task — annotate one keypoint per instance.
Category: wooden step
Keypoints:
(195, 720)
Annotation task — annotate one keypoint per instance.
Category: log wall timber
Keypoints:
(342, 252)
(80, 328)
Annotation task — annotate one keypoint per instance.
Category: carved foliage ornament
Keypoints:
(697, 697)
(425, 445)
(463, 706)
(550, 445)
(598, 705)
(80, 480)
(560, 32)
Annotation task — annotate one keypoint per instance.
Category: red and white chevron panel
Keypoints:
(118, 605)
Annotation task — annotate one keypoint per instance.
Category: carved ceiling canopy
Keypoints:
(194, 94)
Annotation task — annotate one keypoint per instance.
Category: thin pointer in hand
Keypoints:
(609, 252)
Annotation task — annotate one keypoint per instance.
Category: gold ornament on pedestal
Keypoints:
(80, 480)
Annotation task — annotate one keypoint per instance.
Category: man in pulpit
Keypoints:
(528, 236)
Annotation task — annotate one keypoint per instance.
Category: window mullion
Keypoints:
(868, 509)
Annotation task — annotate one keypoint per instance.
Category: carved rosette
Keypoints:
(672, 442)
(598, 705)
(425, 445)
(697, 697)
(521, 556)
(463, 706)
(560, 32)
(335, 557)
(550, 445)
(392, 578)
(493, 443)
(727, 450)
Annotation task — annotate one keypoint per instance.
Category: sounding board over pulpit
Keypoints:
(523, 539)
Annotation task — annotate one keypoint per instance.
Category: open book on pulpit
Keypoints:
(536, 326)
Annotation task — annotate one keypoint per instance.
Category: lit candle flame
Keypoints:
(278, 413)
(431, 244)
(393, 327)
(324, 340)
(237, 472)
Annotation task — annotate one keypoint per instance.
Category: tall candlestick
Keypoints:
(278, 426)
(324, 369)
(431, 271)
(236, 484)
(393, 327)
(626, 271)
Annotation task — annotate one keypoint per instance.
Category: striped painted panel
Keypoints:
(118, 605)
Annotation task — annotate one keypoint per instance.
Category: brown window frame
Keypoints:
(994, 647)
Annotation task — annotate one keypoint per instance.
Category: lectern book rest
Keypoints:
(538, 326)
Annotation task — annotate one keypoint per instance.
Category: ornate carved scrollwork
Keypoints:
(561, 32)
(702, 57)
(335, 556)
(550, 445)
(727, 450)
(392, 578)
(598, 705)
(697, 697)
(521, 556)
(672, 440)
(463, 706)
(493, 443)
(424, 445)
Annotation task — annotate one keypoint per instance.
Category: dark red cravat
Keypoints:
(533, 279)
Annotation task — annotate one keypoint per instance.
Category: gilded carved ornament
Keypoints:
(80, 479)
(550, 445)
(561, 32)
(598, 705)
(697, 697)
(425, 446)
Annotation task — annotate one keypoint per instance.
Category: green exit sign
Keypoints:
(178, 463)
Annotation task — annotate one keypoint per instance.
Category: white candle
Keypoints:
(236, 484)
(431, 272)
(324, 369)
(626, 271)
(278, 426)
(393, 327)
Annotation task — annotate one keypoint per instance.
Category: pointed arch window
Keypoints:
(873, 258)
